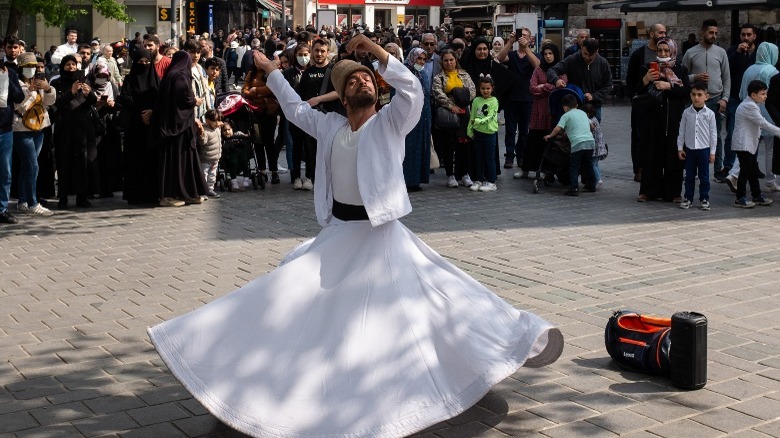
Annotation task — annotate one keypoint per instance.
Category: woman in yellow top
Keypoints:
(453, 89)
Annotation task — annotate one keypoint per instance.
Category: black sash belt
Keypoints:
(347, 212)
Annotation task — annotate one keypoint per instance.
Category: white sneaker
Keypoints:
(297, 184)
(599, 183)
(488, 187)
(520, 174)
(772, 186)
(247, 182)
(281, 170)
(475, 187)
(22, 208)
(39, 210)
(466, 180)
(234, 184)
(452, 182)
(731, 181)
(307, 184)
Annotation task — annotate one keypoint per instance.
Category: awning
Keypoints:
(273, 7)
(687, 5)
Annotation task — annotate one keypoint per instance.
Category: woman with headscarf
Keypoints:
(137, 100)
(498, 44)
(179, 175)
(763, 70)
(109, 141)
(478, 62)
(541, 121)
(417, 160)
(662, 169)
(74, 136)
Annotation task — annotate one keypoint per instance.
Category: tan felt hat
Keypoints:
(343, 70)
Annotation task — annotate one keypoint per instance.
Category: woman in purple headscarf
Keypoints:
(180, 176)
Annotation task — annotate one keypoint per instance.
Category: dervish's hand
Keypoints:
(360, 42)
(267, 65)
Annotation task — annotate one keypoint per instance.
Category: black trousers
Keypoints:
(748, 173)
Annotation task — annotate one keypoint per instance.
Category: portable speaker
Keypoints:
(688, 354)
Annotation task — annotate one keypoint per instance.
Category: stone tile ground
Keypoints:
(78, 290)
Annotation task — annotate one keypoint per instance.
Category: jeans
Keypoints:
(518, 119)
(596, 170)
(697, 161)
(485, 157)
(28, 145)
(6, 152)
(712, 103)
(748, 174)
(731, 111)
(581, 162)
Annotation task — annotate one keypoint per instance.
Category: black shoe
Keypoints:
(7, 218)
(275, 178)
(413, 188)
(82, 202)
(62, 204)
(572, 192)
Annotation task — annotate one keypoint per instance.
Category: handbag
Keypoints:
(446, 119)
(651, 97)
(35, 116)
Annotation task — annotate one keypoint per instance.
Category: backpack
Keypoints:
(639, 342)
(34, 117)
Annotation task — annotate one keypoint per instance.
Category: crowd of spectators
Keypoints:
(93, 119)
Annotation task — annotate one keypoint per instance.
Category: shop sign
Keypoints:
(164, 14)
(388, 2)
(342, 20)
(191, 16)
(357, 19)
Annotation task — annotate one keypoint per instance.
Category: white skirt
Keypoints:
(361, 332)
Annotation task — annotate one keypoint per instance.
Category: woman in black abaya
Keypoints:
(74, 136)
(180, 176)
(480, 62)
(137, 100)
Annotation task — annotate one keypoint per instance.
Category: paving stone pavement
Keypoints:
(79, 289)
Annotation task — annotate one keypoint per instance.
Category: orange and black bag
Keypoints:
(639, 342)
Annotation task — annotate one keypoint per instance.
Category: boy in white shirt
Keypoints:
(747, 130)
(696, 144)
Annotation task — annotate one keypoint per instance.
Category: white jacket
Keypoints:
(748, 123)
(382, 144)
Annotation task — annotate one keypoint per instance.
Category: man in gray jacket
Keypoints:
(709, 63)
(587, 70)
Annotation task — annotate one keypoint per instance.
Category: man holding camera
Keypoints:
(518, 112)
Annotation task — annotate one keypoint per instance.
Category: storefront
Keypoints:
(384, 13)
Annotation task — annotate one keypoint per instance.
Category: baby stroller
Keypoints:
(555, 158)
(241, 115)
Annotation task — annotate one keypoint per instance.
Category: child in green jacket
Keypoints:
(483, 128)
